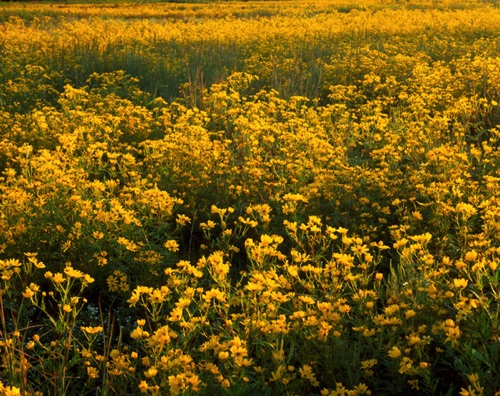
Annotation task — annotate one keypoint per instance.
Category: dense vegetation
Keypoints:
(250, 198)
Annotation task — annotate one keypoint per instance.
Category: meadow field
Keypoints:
(250, 198)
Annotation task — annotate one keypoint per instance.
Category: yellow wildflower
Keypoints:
(394, 352)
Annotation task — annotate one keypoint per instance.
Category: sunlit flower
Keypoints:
(171, 245)
(394, 352)
(460, 283)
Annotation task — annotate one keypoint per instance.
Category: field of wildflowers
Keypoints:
(250, 198)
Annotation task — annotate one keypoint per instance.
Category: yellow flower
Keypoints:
(92, 330)
(129, 245)
(171, 245)
(266, 240)
(10, 391)
(177, 383)
(414, 384)
(88, 279)
(73, 273)
(323, 330)
(176, 315)
(208, 225)
(92, 372)
(307, 373)
(238, 351)
(98, 235)
(29, 292)
(413, 339)
(214, 293)
(278, 374)
(460, 283)
(152, 371)
(182, 219)
(32, 259)
(183, 303)
(156, 296)
(417, 215)
(194, 381)
(473, 378)
(306, 299)
(391, 309)
(369, 332)
(143, 387)
(394, 352)
(137, 333)
(134, 299)
(361, 389)
(471, 255)
(58, 278)
(366, 364)
(405, 365)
